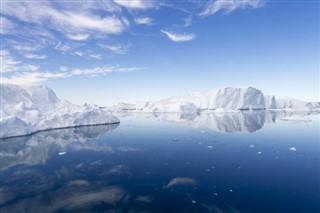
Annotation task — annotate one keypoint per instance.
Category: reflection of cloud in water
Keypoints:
(211, 208)
(116, 170)
(78, 183)
(109, 195)
(69, 199)
(180, 181)
(144, 199)
(38, 148)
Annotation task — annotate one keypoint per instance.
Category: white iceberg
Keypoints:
(25, 110)
(228, 99)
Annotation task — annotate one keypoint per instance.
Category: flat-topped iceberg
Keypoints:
(25, 110)
(221, 100)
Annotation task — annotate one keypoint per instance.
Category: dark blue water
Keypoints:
(171, 163)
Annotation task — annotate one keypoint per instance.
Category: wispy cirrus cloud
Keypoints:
(117, 49)
(63, 19)
(136, 4)
(176, 37)
(96, 56)
(228, 6)
(6, 25)
(30, 78)
(34, 56)
(143, 20)
(35, 77)
(58, 24)
(78, 37)
(17, 72)
(9, 64)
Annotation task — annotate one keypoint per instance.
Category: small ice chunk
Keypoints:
(194, 201)
(259, 153)
(293, 149)
(210, 147)
(231, 190)
(208, 170)
(251, 146)
(216, 194)
(175, 139)
(62, 153)
(203, 131)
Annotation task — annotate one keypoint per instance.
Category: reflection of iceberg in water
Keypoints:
(225, 122)
(238, 121)
(38, 148)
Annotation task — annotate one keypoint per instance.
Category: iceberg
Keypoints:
(228, 99)
(25, 110)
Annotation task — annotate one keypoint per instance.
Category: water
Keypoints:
(234, 162)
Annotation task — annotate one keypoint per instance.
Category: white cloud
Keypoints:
(96, 56)
(78, 53)
(187, 22)
(94, 71)
(136, 4)
(78, 36)
(9, 64)
(17, 72)
(63, 69)
(6, 26)
(75, 24)
(230, 5)
(143, 20)
(34, 56)
(29, 78)
(179, 37)
(117, 49)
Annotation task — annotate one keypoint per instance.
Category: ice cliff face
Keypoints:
(25, 110)
(223, 99)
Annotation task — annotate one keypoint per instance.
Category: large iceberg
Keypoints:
(25, 110)
(221, 100)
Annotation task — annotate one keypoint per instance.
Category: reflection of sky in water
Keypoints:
(156, 164)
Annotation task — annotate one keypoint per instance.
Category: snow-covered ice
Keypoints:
(221, 100)
(25, 110)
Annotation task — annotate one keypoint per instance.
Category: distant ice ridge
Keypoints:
(221, 100)
(25, 110)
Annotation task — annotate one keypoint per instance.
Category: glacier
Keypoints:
(228, 99)
(25, 110)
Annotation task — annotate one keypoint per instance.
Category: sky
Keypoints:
(106, 52)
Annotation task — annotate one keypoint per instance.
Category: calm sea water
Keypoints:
(236, 162)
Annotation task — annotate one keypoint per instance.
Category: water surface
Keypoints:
(230, 162)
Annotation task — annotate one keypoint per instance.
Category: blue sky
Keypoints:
(105, 52)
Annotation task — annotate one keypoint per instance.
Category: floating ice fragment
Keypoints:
(251, 146)
(203, 131)
(62, 153)
(210, 147)
(216, 194)
(208, 170)
(175, 139)
(194, 201)
(259, 153)
(293, 149)
(231, 190)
